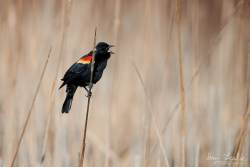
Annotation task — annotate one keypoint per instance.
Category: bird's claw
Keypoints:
(89, 94)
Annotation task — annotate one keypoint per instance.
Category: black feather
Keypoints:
(79, 73)
(71, 89)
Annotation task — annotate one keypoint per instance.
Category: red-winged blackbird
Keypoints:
(80, 72)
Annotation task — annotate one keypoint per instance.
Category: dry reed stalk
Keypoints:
(242, 135)
(168, 50)
(197, 155)
(181, 85)
(88, 104)
(65, 23)
(14, 63)
(243, 131)
(30, 111)
(154, 121)
(171, 27)
(51, 105)
(146, 117)
(195, 51)
(98, 143)
(214, 44)
(116, 29)
(197, 71)
(195, 107)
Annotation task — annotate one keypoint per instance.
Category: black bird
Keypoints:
(80, 72)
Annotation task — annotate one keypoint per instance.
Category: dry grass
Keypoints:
(181, 83)
(29, 112)
(83, 146)
(152, 116)
(194, 60)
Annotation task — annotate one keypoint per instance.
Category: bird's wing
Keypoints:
(74, 72)
(78, 67)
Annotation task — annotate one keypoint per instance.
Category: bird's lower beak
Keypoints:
(111, 52)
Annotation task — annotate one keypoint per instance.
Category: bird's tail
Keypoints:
(71, 89)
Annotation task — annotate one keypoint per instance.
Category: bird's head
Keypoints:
(104, 48)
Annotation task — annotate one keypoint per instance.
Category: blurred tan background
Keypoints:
(140, 115)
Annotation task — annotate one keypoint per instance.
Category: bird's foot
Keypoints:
(89, 94)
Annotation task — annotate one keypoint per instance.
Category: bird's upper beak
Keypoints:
(111, 52)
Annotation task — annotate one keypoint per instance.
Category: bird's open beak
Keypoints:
(111, 52)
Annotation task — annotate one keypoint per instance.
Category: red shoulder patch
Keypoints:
(86, 59)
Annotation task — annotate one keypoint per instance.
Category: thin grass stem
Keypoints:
(29, 112)
(88, 105)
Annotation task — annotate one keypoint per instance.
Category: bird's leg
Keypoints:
(86, 89)
(89, 93)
